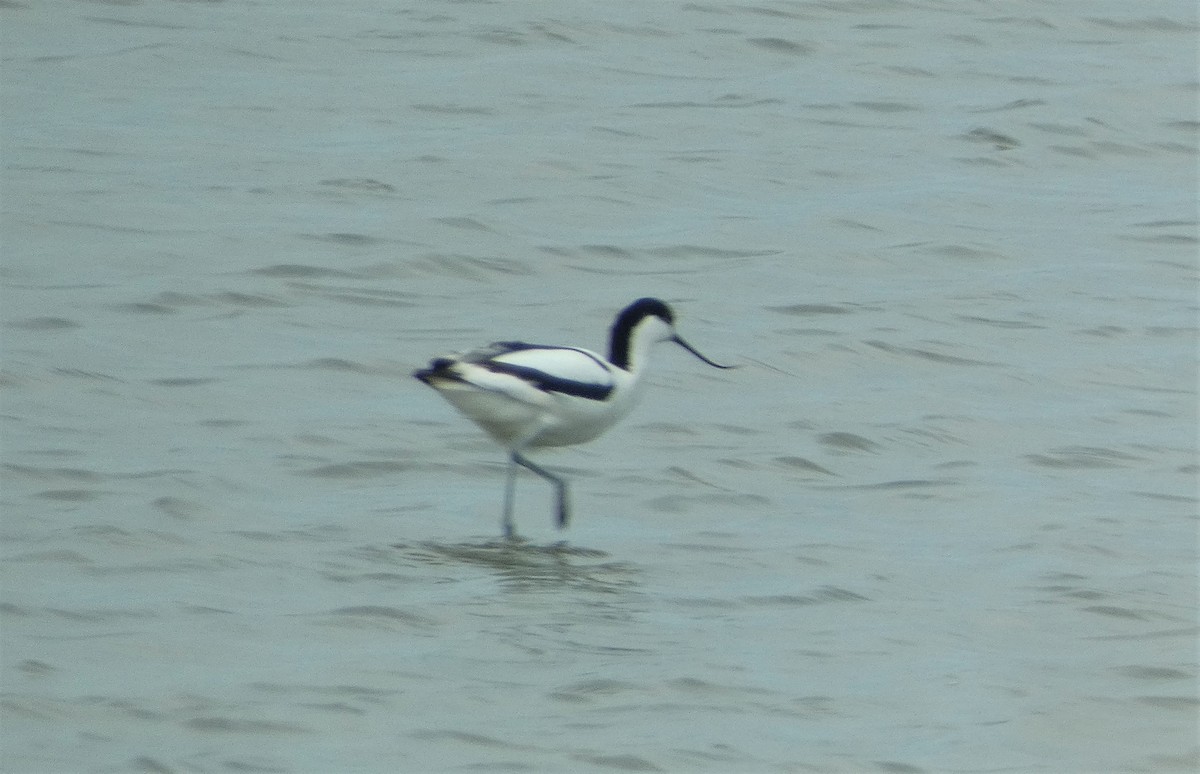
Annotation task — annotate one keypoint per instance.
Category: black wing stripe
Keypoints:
(550, 383)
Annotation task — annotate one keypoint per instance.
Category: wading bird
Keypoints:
(528, 395)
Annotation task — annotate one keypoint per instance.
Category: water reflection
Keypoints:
(520, 564)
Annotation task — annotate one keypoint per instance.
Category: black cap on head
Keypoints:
(648, 307)
(627, 320)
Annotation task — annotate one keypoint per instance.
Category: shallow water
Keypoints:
(944, 518)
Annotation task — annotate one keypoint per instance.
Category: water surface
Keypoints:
(943, 518)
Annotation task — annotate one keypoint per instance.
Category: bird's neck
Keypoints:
(618, 349)
(630, 351)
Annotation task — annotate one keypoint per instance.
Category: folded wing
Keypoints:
(525, 372)
(554, 370)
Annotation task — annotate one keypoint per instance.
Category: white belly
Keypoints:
(558, 420)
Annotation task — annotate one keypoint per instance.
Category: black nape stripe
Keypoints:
(627, 320)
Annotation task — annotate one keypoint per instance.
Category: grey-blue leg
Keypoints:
(510, 489)
(560, 486)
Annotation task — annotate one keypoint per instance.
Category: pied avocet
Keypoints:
(527, 395)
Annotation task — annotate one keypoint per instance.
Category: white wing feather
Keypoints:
(565, 363)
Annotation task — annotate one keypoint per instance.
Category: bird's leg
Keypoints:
(510, 490)
(560, 486)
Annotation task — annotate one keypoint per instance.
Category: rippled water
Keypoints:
(944, 518)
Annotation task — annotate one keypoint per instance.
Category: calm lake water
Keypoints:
(943, 518)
